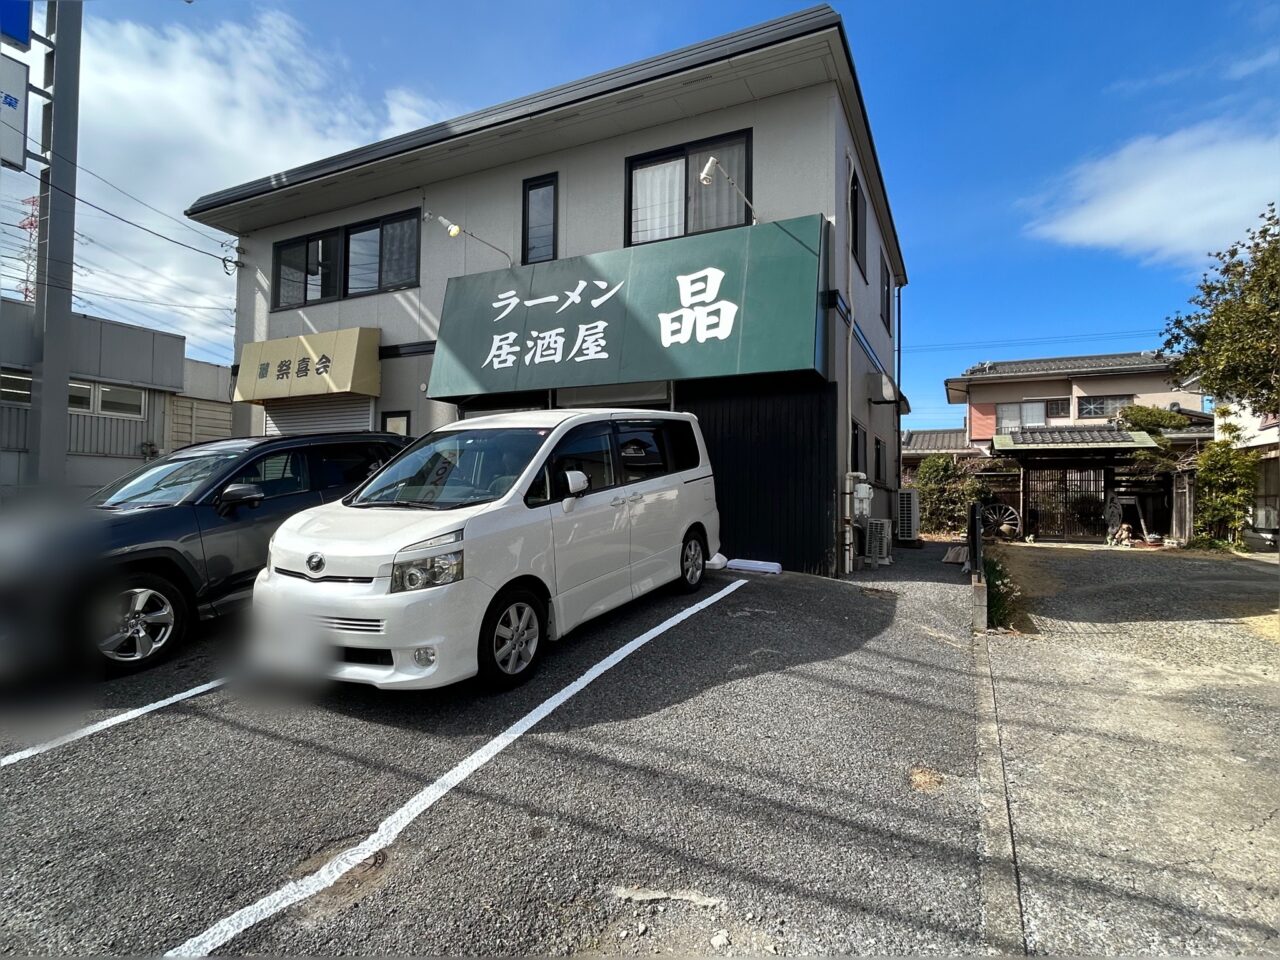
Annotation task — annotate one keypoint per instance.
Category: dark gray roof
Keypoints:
(935, 441)
(1065, 438)
(1099, 362)
(1106, 434)
(602, 84)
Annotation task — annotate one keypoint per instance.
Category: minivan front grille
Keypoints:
(350, 624)
(369, 657)
(304, 576)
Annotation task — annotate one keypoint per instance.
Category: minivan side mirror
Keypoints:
(240, 495)
(577, 482)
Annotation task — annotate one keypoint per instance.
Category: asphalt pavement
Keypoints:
(789, 770)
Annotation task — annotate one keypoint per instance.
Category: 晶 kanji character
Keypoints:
(545, 347)
(504, 352)
(591, 343)
(603, 285)
(700, 287)
(508, 301)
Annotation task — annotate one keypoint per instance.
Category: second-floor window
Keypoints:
(880, 461)
(886, 294)
(370, 257)
(1015, 416)
(668, 200)
(857, 221)
(1059, 407)
(1101, 408)
(539, 243)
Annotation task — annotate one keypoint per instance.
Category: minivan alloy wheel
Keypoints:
(692, 561)
(140, 623)
(515, 638)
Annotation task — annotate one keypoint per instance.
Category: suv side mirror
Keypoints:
(577, 482)
(240, 495)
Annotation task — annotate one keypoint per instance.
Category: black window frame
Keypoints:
(551, 180)
(408, 421)
(17, 373)
(682, 151)
(303, 454)
(1066, 408)
(886, 294)
(342, 234)
(858, 441)
(858, 221)
(659, 427)
(880, 465)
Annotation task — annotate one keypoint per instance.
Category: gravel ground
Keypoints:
(790, 770)
(1139, 728)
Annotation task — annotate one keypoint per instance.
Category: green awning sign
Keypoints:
(735, 301)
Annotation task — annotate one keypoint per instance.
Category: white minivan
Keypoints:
(487, 538)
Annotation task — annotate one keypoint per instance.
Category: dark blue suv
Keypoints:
(186, 534)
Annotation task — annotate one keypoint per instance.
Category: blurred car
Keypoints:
(186, 534)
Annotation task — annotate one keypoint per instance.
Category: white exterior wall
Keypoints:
(799, 140)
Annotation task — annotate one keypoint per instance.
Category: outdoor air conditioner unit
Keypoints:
(879, 540)
(909, 514)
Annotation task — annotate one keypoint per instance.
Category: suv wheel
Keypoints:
(141, 621)
(511, 638)
(693, 562)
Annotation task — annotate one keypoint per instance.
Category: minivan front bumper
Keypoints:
(362, 633)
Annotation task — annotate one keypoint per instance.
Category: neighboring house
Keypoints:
(952, 442)
(202, 411)
(1261, 433)
(578, 247)
(124, 380)
(1055, 416)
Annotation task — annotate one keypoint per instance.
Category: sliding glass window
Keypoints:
(667, 198)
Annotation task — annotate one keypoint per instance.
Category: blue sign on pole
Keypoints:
(15, 23)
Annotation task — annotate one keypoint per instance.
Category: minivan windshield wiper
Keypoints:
(397, 504)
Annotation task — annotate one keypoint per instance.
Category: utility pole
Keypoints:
(47, 427)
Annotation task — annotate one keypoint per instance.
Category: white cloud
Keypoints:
(1247, 68)
(1171, 198)
(169, 113)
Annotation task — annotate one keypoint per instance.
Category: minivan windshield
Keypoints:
(165, 481)
(454, 468)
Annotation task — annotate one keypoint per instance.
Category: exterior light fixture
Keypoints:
(454, 230)
(708, 176)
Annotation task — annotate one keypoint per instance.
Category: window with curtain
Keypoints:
(1098, 408)
(540, 219)
(668, 199)
(1015, 416)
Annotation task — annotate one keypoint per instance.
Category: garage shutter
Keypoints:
(318, 415)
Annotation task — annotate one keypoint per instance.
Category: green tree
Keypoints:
(1153, 421)
(1232, 340)
(946, 490)
(1226, 480)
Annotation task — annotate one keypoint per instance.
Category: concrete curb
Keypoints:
(1002, 921)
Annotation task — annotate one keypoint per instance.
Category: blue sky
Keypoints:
(1055, 170)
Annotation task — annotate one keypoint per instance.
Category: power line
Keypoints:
(113, 296)
(127, 194)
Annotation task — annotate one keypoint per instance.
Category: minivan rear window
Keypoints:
(640, 449)
(682, 445)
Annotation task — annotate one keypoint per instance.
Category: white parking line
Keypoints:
(110, 722)
(390, 828)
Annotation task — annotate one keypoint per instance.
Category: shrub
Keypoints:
(1002, 593)
(946, 490)
(1226, 480)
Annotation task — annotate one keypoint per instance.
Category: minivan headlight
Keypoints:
(428, 572)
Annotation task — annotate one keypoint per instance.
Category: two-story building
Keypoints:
(1056, 418)
(707, 230)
